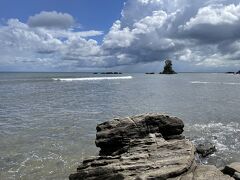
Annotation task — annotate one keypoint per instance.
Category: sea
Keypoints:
(48, 120)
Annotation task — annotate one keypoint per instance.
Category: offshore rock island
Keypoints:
(148, 146)
(168, 68)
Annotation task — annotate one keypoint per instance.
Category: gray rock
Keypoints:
(206, 149)
(117, 133)
(209, 173)
(203, 172)
(146, 158)
(232, 168)
(144, 147)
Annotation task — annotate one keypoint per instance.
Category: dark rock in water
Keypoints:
(150, 73)
(238, 72)
(143, 147)
(107, 73)
(95, 73)
(232, 169)
(111, 73)
(230, 72)
(206, 149)
(168, 68)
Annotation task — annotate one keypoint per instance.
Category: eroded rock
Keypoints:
(145, 158)
(144, 147)
(115, 134)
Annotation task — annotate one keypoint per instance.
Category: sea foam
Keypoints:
(206, 82)
(92, 78)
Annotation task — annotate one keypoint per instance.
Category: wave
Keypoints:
(206, 82)
(93, 78)
(224, 136)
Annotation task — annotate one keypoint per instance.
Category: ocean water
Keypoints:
(48, 120)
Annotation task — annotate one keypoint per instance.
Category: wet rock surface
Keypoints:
(205, 149)
(233, 170)
(148, 146)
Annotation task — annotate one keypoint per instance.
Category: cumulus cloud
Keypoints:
(201, 33)
(215, 23)
(51, 20)
(196, 32)
(22, 45)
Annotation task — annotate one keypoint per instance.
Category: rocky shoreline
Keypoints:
(149, 146)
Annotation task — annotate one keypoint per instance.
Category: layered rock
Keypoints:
(148, 146)
(113, 135)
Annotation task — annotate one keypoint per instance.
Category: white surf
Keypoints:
(93, 78)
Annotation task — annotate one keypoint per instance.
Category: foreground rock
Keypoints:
(113, 135)
(143, 147)
(233, 170)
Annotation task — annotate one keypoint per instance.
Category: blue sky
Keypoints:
(91, 14)
(125, 35)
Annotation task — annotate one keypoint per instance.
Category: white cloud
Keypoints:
(214, 23)
(118, 37)
(216, 15)
(38, 47)
(153, 30)
(202, 33)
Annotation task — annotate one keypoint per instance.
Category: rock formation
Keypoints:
(143, 147)
(168, 68)
(205, 149)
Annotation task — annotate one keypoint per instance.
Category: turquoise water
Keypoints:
(48, 120)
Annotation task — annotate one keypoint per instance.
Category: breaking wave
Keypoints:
(92, 78)
(224, 136)
(206, 82)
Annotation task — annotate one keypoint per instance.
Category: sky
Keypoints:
(119, 35)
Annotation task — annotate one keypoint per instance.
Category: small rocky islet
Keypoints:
(231, 72)
(168, 69)
(149, 147)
